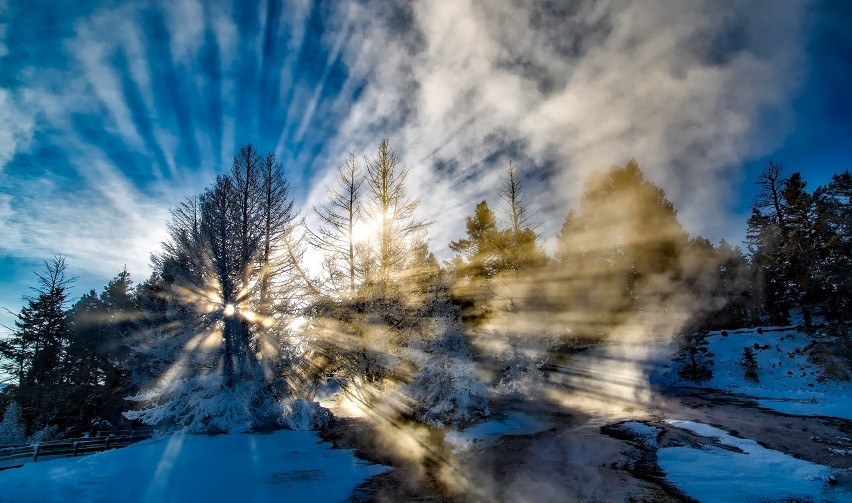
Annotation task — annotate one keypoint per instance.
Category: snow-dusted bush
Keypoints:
(301, 415)
(11, 428)
(204, 404)
(45, 434)
(445, 390)
(520, 358)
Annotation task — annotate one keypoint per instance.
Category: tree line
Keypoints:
(234, 330)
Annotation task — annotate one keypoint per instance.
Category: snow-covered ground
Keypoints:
(281, 466)
(750, 472)
(513, 423)
(789, 382)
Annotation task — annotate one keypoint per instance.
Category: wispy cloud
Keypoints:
(145, 102)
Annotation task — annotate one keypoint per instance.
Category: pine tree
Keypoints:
(620, 253)
(481, 248)
(834, 215)
(694, 356)
(84, 360)
(749, 365)
(35, 350)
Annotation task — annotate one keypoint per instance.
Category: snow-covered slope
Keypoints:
(788, 381)
(281, 466)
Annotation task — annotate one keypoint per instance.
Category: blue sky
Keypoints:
(111, 112)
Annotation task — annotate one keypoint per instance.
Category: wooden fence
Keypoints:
(14, 456)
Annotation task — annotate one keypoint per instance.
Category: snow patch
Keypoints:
(647, 433)
(789, 382)
(754, 474)
(281, 466)
(514, 423)
(303, 415)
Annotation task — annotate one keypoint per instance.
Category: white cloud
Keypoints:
(17, 124)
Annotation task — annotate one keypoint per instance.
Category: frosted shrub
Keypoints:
(520, 359)
(302, 415)
(446, 390)
(204, 405)
(45, 434)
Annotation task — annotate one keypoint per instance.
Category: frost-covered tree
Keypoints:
(12, 428)
(216, 307)
(445, 389)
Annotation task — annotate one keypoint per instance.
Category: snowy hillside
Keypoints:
(788, 380)
(282, 466)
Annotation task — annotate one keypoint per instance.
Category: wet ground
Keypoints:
(582, 457)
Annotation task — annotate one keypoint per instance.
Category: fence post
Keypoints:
(106, 445)
(131, 436)
(75, 448)
(35, 453)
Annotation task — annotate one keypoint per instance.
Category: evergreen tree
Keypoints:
(834, 213)
(695, 358)
(84, 360)
(620, 253)
(749, 365)
(481, 249)
(35, 351)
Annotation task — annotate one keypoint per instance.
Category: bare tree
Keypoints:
(392, 209)
(769, 199)
(277, 218)
(520, 244)
(338, 217)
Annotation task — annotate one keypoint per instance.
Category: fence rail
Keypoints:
(14, 456)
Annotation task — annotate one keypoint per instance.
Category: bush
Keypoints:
(302, 415)
(446, 389)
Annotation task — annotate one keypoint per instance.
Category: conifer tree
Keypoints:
(482, 246)
(34, 352)
(695, 358)
(749, 365)
(11, 427)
